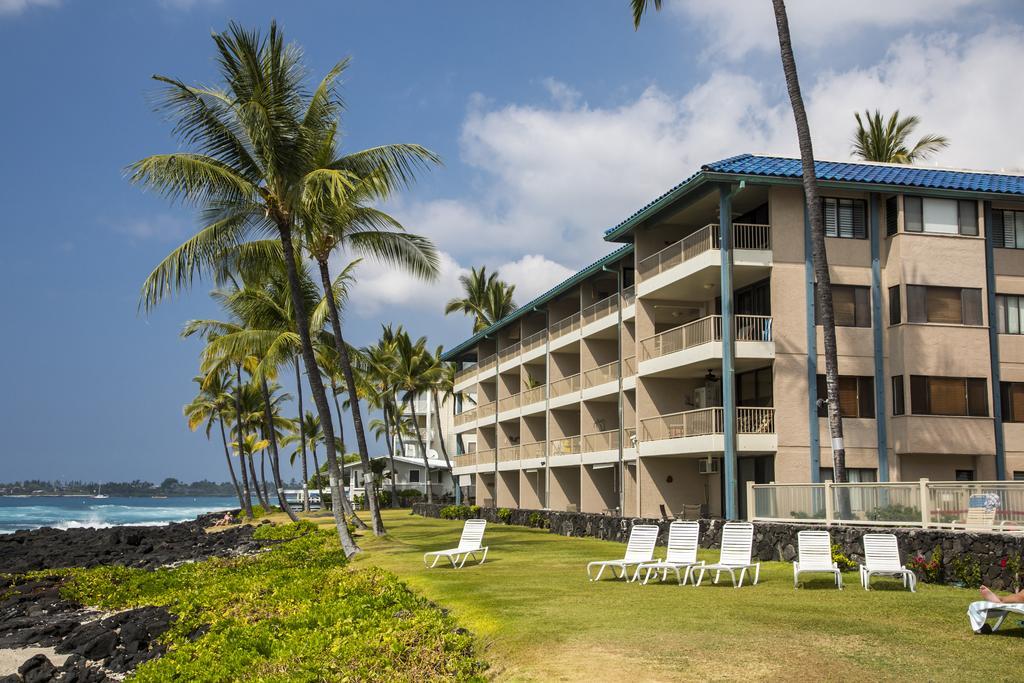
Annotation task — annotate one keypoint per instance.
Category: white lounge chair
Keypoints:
(470, 544)
(639, 549)
(980, 612)
(882, 558)
(815, 555)
(681, 554)
(737, 553)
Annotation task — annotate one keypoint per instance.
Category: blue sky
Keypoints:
(555, 120)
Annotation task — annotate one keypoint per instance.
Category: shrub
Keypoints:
(895, 513)
(844, 563)
(967, 571)
(409, 495)
(504, 515)
(929, 570)
(1013, 567)
(538, 520)
(459, 512)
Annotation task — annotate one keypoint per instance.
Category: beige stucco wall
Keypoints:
(507, 489)
(597, 489)
(565, 487)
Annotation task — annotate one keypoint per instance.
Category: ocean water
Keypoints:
(68, 512)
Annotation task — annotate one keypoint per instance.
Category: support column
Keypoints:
(728, 351)
(814, 437)
(881, 413)
(993, 344)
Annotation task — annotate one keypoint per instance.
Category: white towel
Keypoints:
(979, 612)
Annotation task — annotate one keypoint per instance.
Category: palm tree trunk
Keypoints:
(263, 476)
(239, 424)
(316, 385)
(302, 438)
(419, 439)
(227, 456)
(391, 453)
(440, 433)
(350, 385)
(316, 474)
(256, 482)
(818, 254)
(275, 462)
(349, 510)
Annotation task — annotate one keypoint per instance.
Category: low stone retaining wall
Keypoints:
(995, 556)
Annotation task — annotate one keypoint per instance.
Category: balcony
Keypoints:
(465, 378)
(600, 315)
(601, 380)
(465, 421)
(662, 273)
(564, 391)
(508, 407)
(485, 460)
(532, 400)
(488, 367)
(533, 346)
(564, 332)
(686, 350)
(702, 431)
(533, 451)
(600, 441)
(628, 301)
(485, 412)
(509, 357)
(564, 451)
(508, 457)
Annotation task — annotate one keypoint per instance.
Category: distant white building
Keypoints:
(431, 431)
(409, 473)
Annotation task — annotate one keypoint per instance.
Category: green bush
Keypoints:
(459, 512)
(928, 570)
(538, 520)
(844, 563)
(295, 612)
(895, 513)
(504, 515)
(967, 571)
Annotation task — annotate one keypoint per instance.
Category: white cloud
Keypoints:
(19, 6)
(738, 27)
(162, 227)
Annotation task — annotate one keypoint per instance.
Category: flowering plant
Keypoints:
(930, 570)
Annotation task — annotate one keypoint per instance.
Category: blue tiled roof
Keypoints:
(849, 172)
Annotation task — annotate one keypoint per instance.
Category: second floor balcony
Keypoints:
(703, 430)
(675, 352)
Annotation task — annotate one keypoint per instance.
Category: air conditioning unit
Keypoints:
(709, 466)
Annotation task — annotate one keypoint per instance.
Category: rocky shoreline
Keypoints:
(79, 644)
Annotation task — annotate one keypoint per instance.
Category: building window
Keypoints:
(845, 218)
(856, 396)
(947, 305)
(414, 476)
(891, 216)
(965, 396)
(1011, 398)
(854, 475)
(1009, 314)
(1018, 475)
(1008, 229)
(895, 311)
(898, 407)
(850, 304)
(754, 388)
(965, 475)
(940, 216)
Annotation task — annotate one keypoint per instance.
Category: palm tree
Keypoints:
(886, 140)
(246, 447)
(485, 297)
(818, 255)
(254, 166)
(380, 391)
(307, 433)
(209, 405)
(414, 371)
(442, 388)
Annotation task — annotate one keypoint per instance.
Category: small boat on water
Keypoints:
(99, 492)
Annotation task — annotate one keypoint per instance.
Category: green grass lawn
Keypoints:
(538, 618)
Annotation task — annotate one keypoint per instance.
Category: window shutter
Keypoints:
(860, 222)
(828, 212)
(918, 395)
(845, 218)
(844, 306)
(1015, 237)
(895, 312)
(970, 300)
(913, 214)
(1012, 314)
(866, 396)
(997, 229)
(848, 396)
(898, 407)
(944, 305)
(977, 397)
(1015, 393)
(968, 217)
(1000, 314)
(917, 304)
(862, 306)
(947, 396)
(891, 216)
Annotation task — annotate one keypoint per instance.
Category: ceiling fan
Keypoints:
(710, 377)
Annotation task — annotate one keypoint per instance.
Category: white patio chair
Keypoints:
(469, 545)
(639, 549)
(980, 612)
(814, 550)
(882, 558)
(737, 553)
(681, 554)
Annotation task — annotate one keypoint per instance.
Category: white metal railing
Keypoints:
(534, 341)
(992, 505)
(601, 374)
(465, 373)
(486, 410)
(601, 441)
(531, 396)
(489, 362)
(485, 457)
(629, 366)
(744, 236)
(465, 416)
(703, 331)
(570, 445)
(565, 326)
(629, 437)
(598, 310)
(706, 421)
(508, 453)
(509, 352)
(629, 296)
(537, 449)
(509, 403)
(564, 386)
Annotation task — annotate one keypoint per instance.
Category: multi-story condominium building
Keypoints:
(688, 361)
(432, 432)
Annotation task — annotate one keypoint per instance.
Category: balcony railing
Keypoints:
(601, 374)
(629, 296)
(629, 366)
(565, 326)
(744, 236)
(486, 410)
(465, 374)
(509, 352)
(565, 386)
(707, 421)
(534, 341)
(489, 362)
(508, 453)
(532, 450)
(598, 310)
(601, 441)
(509, 403)
(567, 446)
(703, 331)
(628, 437)
(485, 457)
(531, 396)
(465, 416)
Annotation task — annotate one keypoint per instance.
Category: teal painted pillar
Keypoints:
(993, 345)
(728, 352)
(881, 414)
(814, 435)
